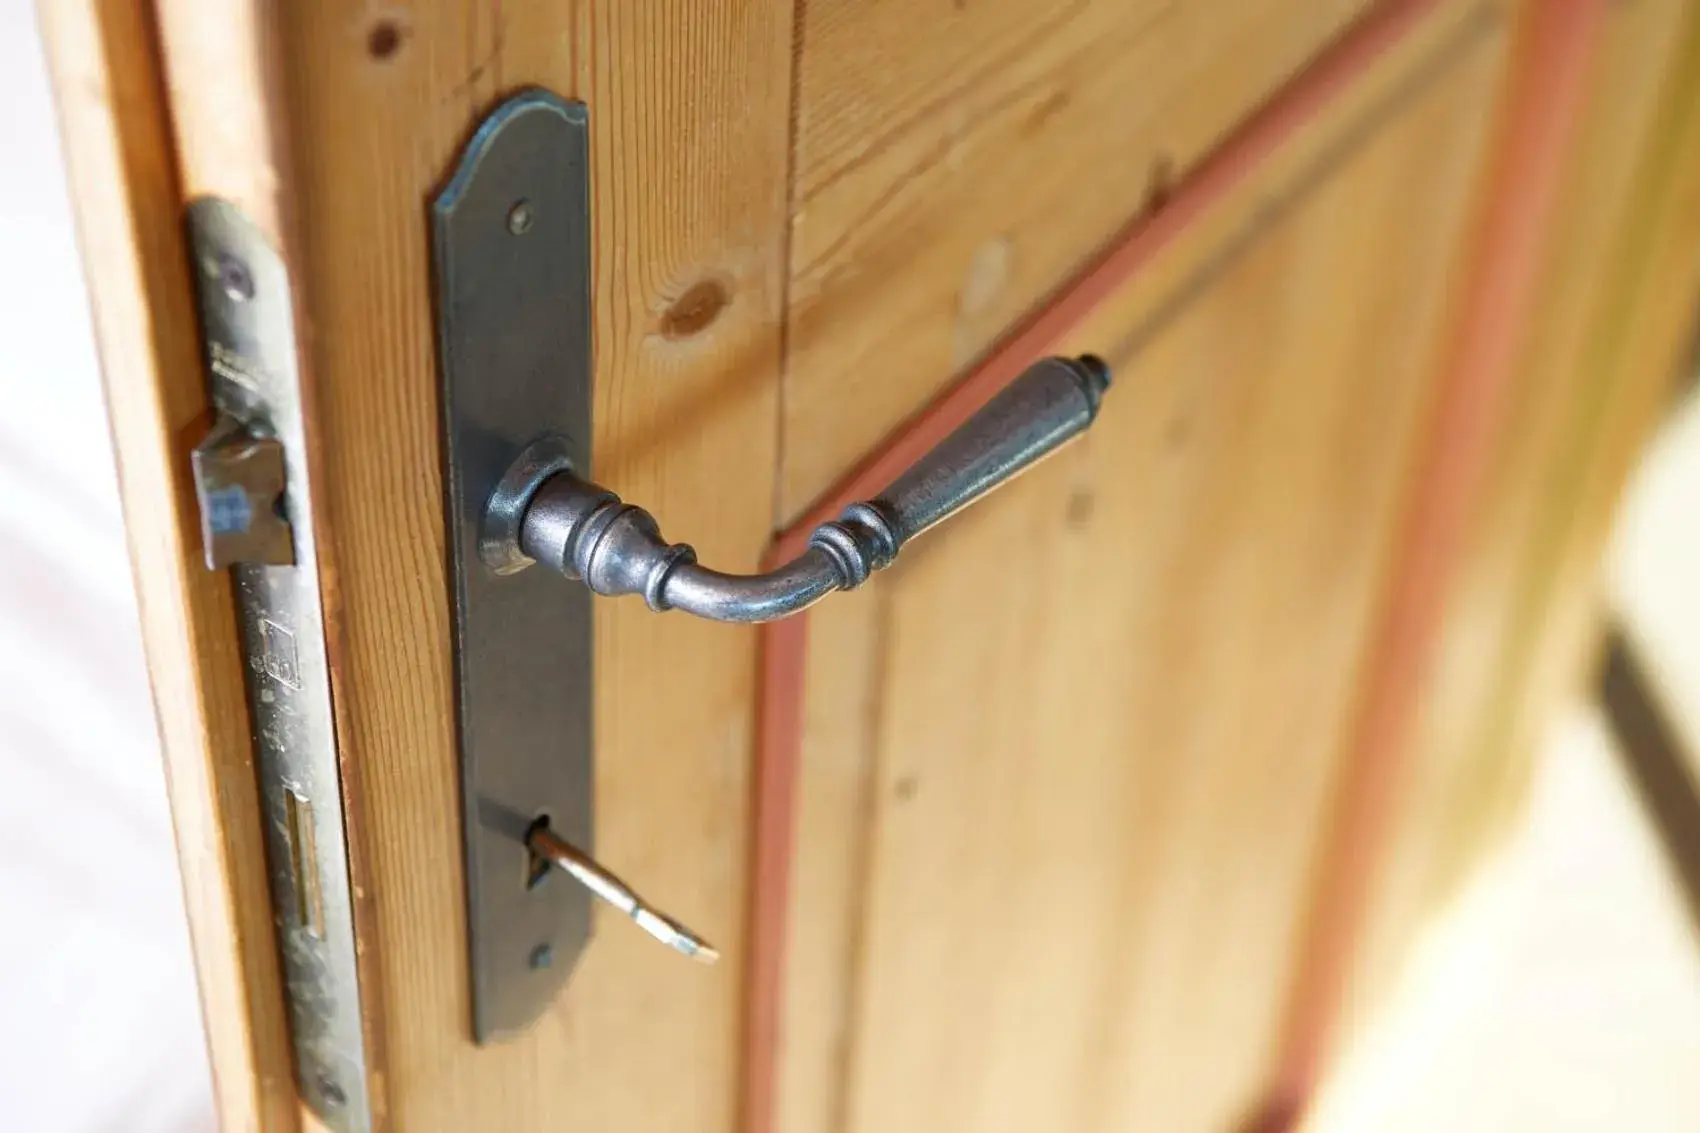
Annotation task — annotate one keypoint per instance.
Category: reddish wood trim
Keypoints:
(1135, 246)
(1541, 117)
(780, 730)
(779, 742)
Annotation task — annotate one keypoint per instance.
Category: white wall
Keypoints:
(99, 1024)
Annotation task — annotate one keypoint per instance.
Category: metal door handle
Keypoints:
(542, 512)
(511, 240)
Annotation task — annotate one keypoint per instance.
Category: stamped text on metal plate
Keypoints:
(249, 333)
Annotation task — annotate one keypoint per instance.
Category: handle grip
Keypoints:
(587, 533)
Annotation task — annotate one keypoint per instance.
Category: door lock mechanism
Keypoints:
(511, 234)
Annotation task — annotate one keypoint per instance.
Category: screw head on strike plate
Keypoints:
(333, 1093)
(232, 276)
(520, 218)
(541, 957)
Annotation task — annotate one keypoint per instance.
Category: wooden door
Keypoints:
(1073, 897)
(1064, 821)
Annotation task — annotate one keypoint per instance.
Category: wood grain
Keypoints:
(956, 162)
(116, 129)
(1641, 349)
(221, 63)
(688, 111)
(1538, 129)
(1070, 900)
(1519, 625)
(1348, 67)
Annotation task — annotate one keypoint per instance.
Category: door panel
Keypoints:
(1518, 635)
(1065, 767)
(689, 158)
(956, 161)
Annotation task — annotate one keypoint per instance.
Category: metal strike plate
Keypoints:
(511, 233)
(257, 451)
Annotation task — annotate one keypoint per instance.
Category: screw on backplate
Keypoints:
(331, 1092)
(541, 957)
(519, 218)
(233, 276)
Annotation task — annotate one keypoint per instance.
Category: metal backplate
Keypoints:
(512, 246)
(249, 334)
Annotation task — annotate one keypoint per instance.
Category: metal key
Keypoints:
(546, 845)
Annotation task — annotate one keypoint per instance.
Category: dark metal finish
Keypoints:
(1653, 753)
(498, 533)
(258, 449)
(512, 243)
(587, 533)
(512, 254)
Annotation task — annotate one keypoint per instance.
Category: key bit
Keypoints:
(548, 846)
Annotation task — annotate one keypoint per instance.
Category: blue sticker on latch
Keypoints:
(228, 511)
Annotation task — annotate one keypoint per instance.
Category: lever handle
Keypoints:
(586, 532)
